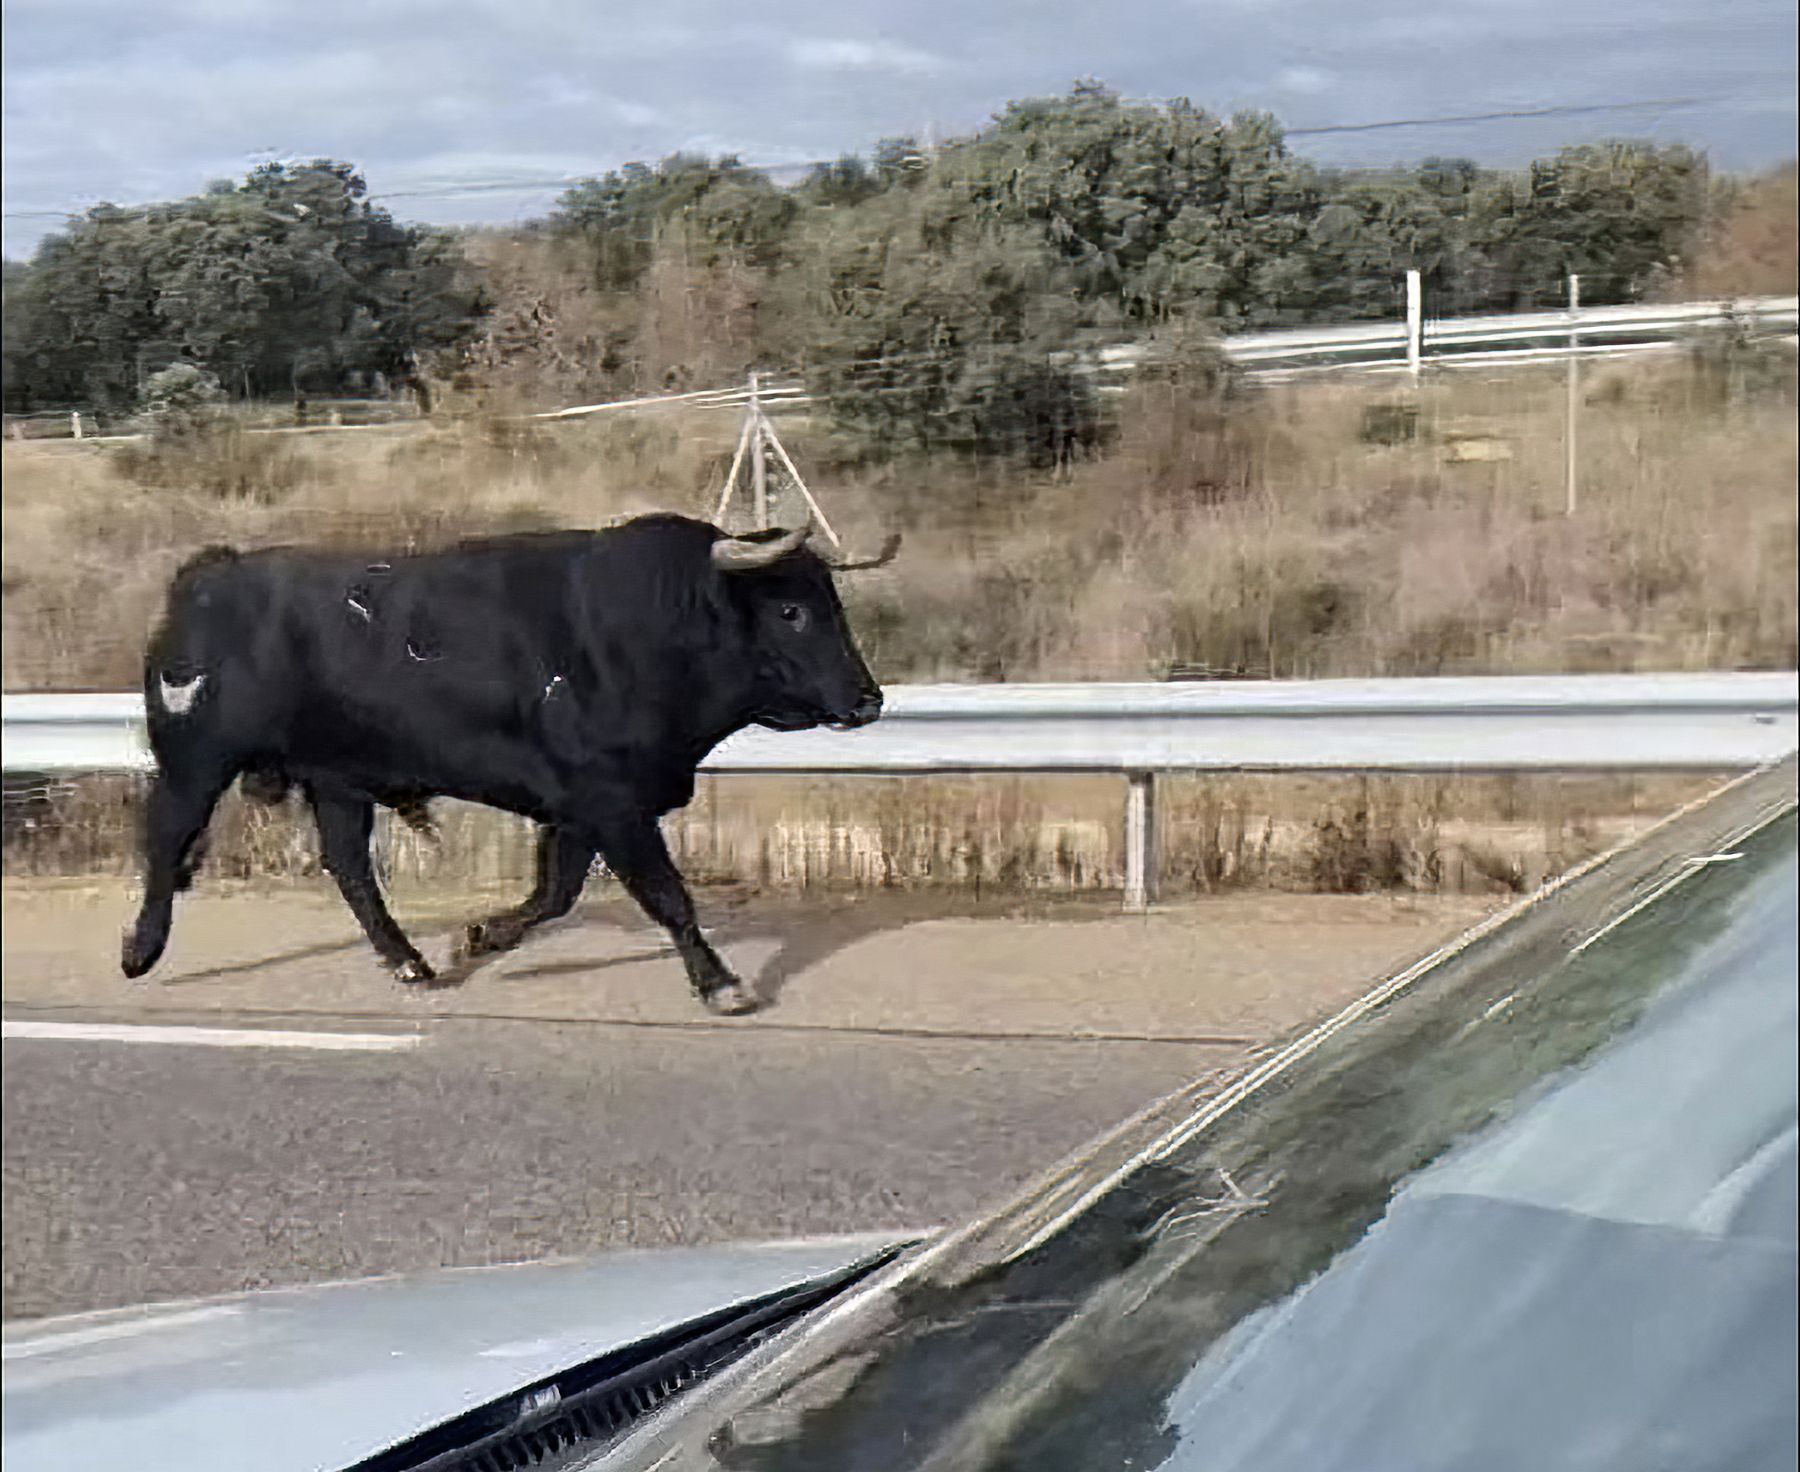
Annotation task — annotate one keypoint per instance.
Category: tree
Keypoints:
(1751, 246)
(937, 328)
(847, 182)
(291, 274)
(1618, 214)
(711, 209)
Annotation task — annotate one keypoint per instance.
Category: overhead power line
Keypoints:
(1559, 111)
(525, 185)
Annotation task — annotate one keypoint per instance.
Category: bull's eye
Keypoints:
(793, 615)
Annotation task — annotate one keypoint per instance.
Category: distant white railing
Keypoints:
(1586, 332)
(1701, 722)
(1355, 347)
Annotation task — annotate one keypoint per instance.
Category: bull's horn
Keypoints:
(881, 559)
(735, 554)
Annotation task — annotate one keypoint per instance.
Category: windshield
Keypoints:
(1561, 1177)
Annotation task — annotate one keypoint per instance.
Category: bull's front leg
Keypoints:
(633, 848)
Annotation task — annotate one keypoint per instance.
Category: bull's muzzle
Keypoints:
(866, 712)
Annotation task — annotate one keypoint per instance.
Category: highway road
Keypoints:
(272, 1110)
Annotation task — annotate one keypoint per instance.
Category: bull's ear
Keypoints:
(734, 554)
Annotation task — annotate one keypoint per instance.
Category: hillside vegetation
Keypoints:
(930, 298)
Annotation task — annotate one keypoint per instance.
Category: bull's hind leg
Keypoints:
(180, 806)
(563, 858)
(345, 825)
(634, 850)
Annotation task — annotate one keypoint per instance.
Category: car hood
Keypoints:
(322, 1376)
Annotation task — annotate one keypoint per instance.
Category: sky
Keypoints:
(467, 111)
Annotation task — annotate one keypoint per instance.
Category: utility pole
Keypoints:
(759, 460)
(759, 439)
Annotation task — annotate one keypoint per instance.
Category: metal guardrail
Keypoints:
(1696, 722)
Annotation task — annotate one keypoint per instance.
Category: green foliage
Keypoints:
(289, 280)
(181, 399)
(951, 312)
(195, 443)
(934, 326)
(937, 298)
(708, 210)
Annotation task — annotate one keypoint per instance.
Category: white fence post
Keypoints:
(1574, 407)
(1141, 854)
(75, 423)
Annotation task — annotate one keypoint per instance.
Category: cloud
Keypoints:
(158, 99)
(1303, 81)
(636, 113)
(861, 56)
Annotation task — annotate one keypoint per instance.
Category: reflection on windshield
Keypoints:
(1264, 1294)
(1618, 1258)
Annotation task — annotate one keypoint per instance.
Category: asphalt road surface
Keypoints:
(272, 1111)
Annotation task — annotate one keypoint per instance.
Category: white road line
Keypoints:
(207, 1037)
(104, 1333)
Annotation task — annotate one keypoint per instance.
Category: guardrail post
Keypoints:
(1141, 853)
(381, 847)
(1574, 396)
(1415, 324)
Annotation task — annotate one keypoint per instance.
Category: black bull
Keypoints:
(577, 678)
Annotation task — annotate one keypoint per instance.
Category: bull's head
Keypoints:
(808, 669)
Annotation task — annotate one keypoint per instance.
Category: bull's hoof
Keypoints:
(136, 957)
(413, 971)
(486, 938)
(729, 999)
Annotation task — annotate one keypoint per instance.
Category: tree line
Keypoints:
(933, 295)
(289, 282)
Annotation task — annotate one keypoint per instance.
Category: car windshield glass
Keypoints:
(1478, 1180)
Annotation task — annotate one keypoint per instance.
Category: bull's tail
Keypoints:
(178, 675)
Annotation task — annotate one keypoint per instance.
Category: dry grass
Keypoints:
(1283, 534)
(1274, 539)
(1339, 835)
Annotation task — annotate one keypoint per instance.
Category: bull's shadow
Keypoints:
(808, 930)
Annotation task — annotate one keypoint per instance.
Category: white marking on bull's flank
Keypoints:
(206, 1037)
(178, 698)
(49, 1343)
